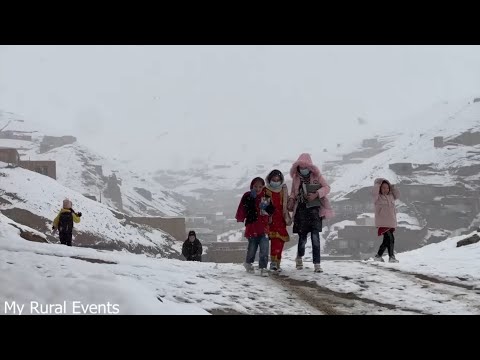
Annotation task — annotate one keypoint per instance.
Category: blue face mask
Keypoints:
(304, 172)
(275, 184)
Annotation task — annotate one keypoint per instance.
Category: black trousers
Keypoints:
(66, 239)
(388, 243)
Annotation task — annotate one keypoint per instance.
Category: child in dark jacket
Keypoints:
(192, 248)
(255, 210)
(64, 222)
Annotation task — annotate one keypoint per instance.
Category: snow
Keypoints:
(404, 291)
(449, 272)
(341, 224)
(366, 215)
(50, 276)
(445, 260)
(12, 122)
(436, 233)
(20, 145)
(231, 236)
(136, 284)
(407, 221)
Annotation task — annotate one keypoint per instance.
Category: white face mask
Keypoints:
(275, 184)
(305, 172)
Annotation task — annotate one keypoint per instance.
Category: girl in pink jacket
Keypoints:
(384, 196)
(307, 219)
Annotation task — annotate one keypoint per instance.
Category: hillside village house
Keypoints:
(47, 168)
(9, 155)
(44, 167)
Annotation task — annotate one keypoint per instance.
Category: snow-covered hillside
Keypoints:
(31, 198)
(117, 184)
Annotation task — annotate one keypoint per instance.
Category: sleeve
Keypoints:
(290, 196)
(76, 218)
(286, 196)
(184, 250)
(325, 189)
(241, 210)
(250, 206)
(55, 221)
(376, 188)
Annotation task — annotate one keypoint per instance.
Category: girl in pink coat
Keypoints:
(384, 196)
(308, 219)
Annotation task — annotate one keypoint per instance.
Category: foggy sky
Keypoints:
(172, 104)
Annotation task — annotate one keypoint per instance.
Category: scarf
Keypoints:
(303, 180)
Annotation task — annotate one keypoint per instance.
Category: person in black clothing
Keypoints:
(192, 248)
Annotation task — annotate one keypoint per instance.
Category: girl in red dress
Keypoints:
(277, 191)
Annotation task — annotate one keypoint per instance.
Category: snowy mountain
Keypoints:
(412, 143)
(455, 162)
(128, 190)
(213, 186)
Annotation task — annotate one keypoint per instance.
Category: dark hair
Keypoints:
(275, 173)
(190, 233)
(257, 179)
(384, 182)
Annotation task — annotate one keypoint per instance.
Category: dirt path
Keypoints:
(364, 288)
(329, 302)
